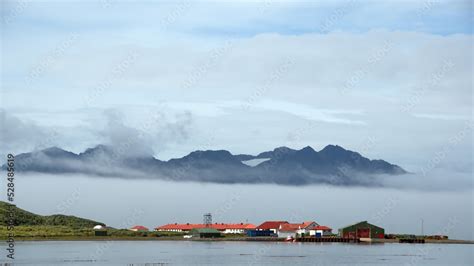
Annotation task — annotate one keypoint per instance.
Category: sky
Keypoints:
(246, 76)
(390, 80)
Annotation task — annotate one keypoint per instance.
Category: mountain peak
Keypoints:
(282, 148)
(276, 153)
(207, 159)
(208, 152)
(308, 149)
(56, 152)
(100, 149)
(333, 148)
(220, 155)
(338, 153)
(53, 149)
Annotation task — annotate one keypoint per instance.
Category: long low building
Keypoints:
(221, 227)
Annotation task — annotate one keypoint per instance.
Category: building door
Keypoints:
(349, 235)
(363, 232)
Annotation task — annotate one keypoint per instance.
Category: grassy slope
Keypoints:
(37, 227)
(40, 232)
(32, 225)
(24, 218)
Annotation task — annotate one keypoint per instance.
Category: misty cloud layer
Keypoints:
(397, 210)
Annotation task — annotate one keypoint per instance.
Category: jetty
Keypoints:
(328, 239)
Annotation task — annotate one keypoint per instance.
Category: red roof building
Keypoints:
(289, 227)
(293, 230)
(295, 227)
(178, 227)
(139, 228)
(320, 230)
(271, 225)
(223, 227)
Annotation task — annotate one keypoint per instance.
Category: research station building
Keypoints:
(362, 230)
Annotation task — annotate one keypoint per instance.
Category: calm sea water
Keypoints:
(236, 253)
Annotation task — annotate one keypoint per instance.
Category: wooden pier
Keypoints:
(328, 239)
(411, 240)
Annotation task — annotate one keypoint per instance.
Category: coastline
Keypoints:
(225, 239)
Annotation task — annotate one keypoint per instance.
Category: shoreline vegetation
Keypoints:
(65, 233)
(69, 234)
(33, 227)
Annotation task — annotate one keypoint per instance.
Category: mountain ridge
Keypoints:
(333, 164)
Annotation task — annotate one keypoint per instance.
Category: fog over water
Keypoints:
(124, 203)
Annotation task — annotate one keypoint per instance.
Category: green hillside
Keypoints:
(22, 217)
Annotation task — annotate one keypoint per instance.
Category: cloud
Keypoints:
(229, 108)
(323, 65)
(443, 116)
(154, 132)
(438, 179)
(130, 141)
(310, 113)
(23, 135)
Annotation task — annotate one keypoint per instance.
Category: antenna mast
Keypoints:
(207, 219)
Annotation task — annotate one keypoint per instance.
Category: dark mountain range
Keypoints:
(331, 165)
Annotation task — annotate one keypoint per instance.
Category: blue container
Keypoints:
(257, 233)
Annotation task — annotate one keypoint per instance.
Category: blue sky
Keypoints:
(245, 18)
